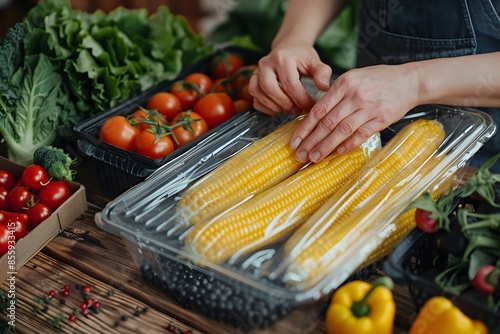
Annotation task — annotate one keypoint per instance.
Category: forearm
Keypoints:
(305, 20)
(472, 81)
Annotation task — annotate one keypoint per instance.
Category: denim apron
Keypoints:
(399, 31)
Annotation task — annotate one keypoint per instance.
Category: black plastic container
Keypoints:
(412, 263)
(119, 169)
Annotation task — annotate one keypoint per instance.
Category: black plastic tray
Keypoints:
(119, 169)
(411, 263)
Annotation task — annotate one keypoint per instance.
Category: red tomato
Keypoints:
(243, 94)
(19, 199)
(424, 222)
(148, 145)
(54, 194)
(485, 281)
(143, 119)
(6, 216)
(225, 65)
(183, 134)
(4, 239)
(138, 117)
(215, 108)
(34, 177)
(167, 104)
(118, 131)
(37, 214)
(186, 95)
(4, 193)
(7, 179)
(242, 77)
(203, 82)
(241, 105)
(222, 85)
(20, 229)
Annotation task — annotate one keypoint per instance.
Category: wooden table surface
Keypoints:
(86, 255)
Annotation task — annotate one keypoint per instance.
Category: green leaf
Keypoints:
(478, 259)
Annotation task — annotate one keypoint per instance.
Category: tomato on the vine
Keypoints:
(203, 81)
(242, 77)
(187, 96)
(19, 198)
(215, 108)
(153, 146)
(225, 65)
(193, 127)
(35, 177)
(37, 214)
(118, 131)
(243, 94)
(144, 119)
(166, 103)
(7, 179)
(54, 194)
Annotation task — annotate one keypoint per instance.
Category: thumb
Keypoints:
(321, 75)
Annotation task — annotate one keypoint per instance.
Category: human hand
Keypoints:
(359, 103)
(275, 85)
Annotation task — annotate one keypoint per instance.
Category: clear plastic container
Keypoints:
(255, 291)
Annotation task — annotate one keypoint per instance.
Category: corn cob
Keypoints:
(405, 223)
(253, 170)
(276, 212)
(312, 247)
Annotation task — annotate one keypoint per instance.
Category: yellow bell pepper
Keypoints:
(359, 307)
(439, 315)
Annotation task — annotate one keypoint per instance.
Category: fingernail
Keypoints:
(302, 156)
(325, 81)
(295, 143)
(315, 155)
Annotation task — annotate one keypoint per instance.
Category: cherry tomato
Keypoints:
(37, 214)
(4, 239)
(241, 105)
(19, 199)
(186, 95)
(225, 65)
(54, 194)
(138, 117)
(7, 179)
(118, 131)
(222, 85)
(424, 222)
(182, 134)
(20, 229)
(4, 193)
(203, 81)
(242, 77)
(143, 119)
(243, 94)
(35, 177)
(485, 281)
(166, 103)
(215, 108)
(6, 216)
(148, 145)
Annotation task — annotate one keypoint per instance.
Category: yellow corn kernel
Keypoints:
(359, 201)
(405, 223)
(275, 212)
(253, 170)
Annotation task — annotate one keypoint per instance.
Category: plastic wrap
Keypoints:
(146, 217)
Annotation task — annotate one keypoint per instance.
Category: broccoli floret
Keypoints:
(56, 162)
